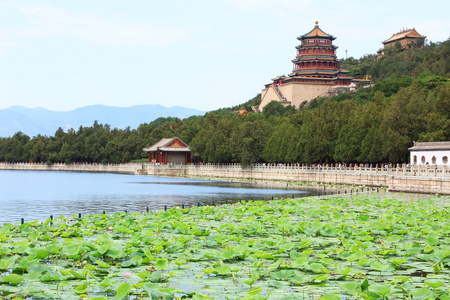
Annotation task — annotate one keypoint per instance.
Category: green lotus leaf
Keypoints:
(32, 275)
(149, 255)
(51, 276)
(380, 289)
(365, 261)
(252, 279)
(102, 249)
(255, 291)
(379, 266)
(432, 238)
(227, 254)
(326, 261)
(180, 261)
(277, 264)
(223, 270)
(363, 217)
(157, 294)
(161, 264)
(300, 261)
(115, 253)
(12, 279)
(102, 264)
(283, 275)
(330, 297)
(318, 268)
(38, 268)
(82, 288)
(264, 254)
(422, 293)
(350, 287)
(42, 253)
(210, 271)
(89, 267)
(393, 238)
(294, 255)
(342, 271)
(124, 289)
(70, 250)
(434, 283)
(321, 277)
(158, 277)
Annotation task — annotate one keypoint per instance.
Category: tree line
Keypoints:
(372, 125)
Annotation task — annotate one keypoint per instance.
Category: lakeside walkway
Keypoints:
(415, 179)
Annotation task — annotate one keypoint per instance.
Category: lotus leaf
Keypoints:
(13, 279)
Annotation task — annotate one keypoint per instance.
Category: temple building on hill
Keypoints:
(407, 38)
(315, 73)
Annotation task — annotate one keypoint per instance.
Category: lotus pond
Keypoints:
(380, 246)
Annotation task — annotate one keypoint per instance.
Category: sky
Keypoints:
(202, 54)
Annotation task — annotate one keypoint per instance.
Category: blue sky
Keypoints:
(200, 54)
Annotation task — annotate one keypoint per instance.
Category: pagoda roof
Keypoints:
(407, 33)
(294, 77)
(315, 45)
(172, 145)
(315, 57)
(316, 32)
(313, 72)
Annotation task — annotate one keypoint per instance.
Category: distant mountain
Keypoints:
(34, 121)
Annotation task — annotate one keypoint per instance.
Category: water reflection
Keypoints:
(35, 195)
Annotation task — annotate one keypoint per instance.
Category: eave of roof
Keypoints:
(430, 146)
(316, 32)
(162, 144)
(409, 33)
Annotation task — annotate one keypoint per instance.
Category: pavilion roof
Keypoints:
(280, 77)
(430, 146)
(407, 33)
(317, 32)
(172, 145)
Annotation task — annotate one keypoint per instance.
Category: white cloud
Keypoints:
(45, 20)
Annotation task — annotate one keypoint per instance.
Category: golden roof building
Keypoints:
(407, 38)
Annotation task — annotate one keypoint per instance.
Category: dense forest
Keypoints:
(408, 101)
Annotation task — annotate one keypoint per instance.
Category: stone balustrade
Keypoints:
(400, 169)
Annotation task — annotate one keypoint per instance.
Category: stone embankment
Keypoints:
(130, 168)
(398, 178)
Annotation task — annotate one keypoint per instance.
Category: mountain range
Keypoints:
(34, 121)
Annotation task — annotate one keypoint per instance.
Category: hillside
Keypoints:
(34, 121)
(409, 101)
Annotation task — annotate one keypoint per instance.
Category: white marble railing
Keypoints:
(400, 169)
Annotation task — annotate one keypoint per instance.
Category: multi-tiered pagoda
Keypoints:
(316, 72)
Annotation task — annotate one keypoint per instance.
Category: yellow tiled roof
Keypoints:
(317, 32)
(404, 34)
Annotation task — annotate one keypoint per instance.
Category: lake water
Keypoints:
(35, 195)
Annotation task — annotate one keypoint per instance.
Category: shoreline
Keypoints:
(422, 180)
(283, 183)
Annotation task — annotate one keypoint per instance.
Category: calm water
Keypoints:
(35, 195)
